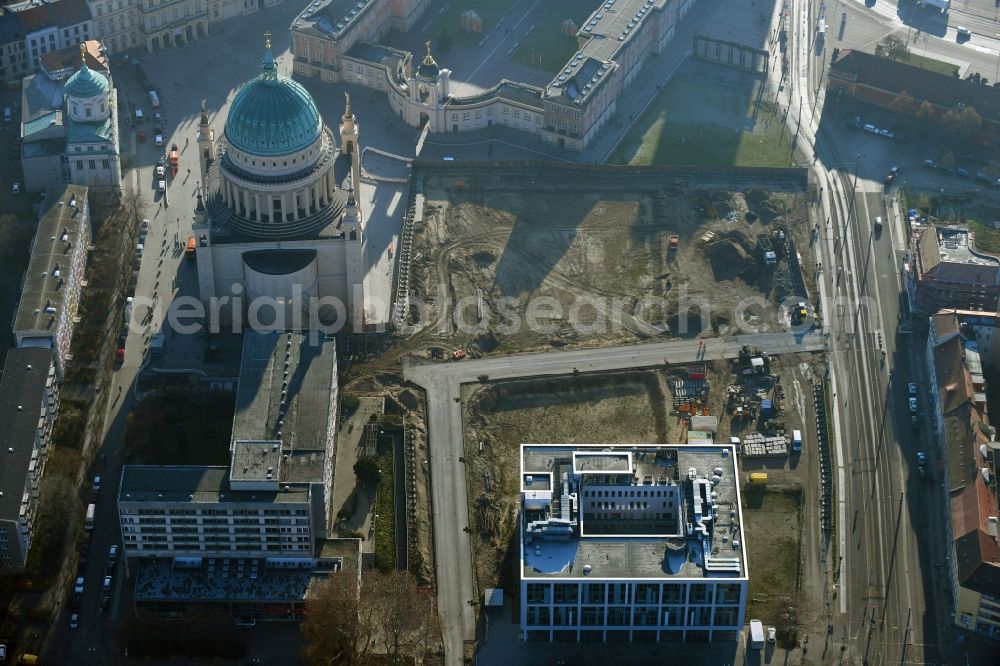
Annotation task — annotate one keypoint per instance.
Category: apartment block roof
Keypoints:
(22, 392)
(706, 539)
(287, 390)
(69, 58)
(971, 456)
(198, 484)
(64, 224)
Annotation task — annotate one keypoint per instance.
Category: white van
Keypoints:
(154, 99)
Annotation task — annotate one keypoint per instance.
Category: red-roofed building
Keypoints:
(968, 453)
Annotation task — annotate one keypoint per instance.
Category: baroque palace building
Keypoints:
(336, 41)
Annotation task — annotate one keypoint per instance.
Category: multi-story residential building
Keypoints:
(333, 40)
(50, 289)
(49, 25)
(116, 23)
(13, 56)
(264, 514)
(270, 502)
(946, 271)
(637, 542)
(29, 395)
(166, 24)
(969, 450)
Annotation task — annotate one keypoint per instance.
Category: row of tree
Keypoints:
(348, 624)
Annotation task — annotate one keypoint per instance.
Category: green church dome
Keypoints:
(272, 114)
(86, 82)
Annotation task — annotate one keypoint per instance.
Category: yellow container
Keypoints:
(757, 479)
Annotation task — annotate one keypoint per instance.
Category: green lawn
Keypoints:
(930, 63)
(694, 123)
(489, 11)
(546, 47)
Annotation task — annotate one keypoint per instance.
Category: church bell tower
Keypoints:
(206, 142)
(349, 130)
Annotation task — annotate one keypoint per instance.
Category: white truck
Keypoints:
(91, 511)
(756, 635)
(796, 441)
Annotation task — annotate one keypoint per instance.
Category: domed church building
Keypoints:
(279, 217)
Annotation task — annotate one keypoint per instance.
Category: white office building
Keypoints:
(637, 542)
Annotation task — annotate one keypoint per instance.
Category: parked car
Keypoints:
(160, 173)
(984, 178)
(145, 224)
(74, 620)
(106, 585)
(15, 188)
(142, 135)
(913, 405)
(914, 422)
(930, 164)
(159, 139)
(887, 134)
(78, 588)
(912, 388)
(921, 458)
(871, 129)
(962, 172)
(962, 34)
(161, 186)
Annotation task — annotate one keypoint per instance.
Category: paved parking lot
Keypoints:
(878, 154)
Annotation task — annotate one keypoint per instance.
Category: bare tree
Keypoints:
(333, 626)
(387, 613)
(404, 615)
(904, 103)
(892, 47)
(926, 111)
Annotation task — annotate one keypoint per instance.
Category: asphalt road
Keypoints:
(928, 32)
(163, 273)
(880, 612)
(442, 382)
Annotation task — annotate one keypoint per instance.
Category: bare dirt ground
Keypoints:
(589, 255)
(638, 407)
(620, 408)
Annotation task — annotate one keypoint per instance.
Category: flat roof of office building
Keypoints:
(640, 556)
(198, 484)
(287, 391)
(22, 389)
(62, 226)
